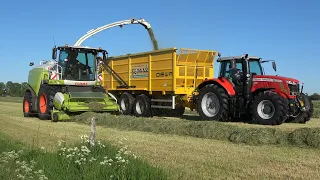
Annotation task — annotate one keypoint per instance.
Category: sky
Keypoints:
(281, 30)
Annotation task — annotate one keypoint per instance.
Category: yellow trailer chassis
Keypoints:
(160, 79)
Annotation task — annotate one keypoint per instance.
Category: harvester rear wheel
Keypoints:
(142, 106)
(45, 102)
(213, 103)
(27, 107)
(126, 103)
(269, 108)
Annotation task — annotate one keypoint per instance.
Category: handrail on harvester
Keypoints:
(143, 22)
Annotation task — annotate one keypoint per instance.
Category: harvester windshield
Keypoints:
(78, 64)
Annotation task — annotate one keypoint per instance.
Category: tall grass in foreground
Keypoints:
(308, 137)
(79, 161)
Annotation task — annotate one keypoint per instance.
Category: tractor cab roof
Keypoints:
(237, 58)
(81, 48)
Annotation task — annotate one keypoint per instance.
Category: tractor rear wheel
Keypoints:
(304, 116)
(142, 106)
(126, 103)
(45, 101)
(213, 103)
(269, 108)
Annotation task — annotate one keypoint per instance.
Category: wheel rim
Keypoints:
(43, 103)
(26, 106)
(210, 104)
(123, 105)
(139, 107)
(266, 109)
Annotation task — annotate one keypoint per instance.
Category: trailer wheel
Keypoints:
(27, 105)
(213, 103)
(269, 108)
(304, 116)
(126, 103)
(142, 106)
(45, 101)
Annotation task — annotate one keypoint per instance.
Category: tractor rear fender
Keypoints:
(30, 91)
(221, 82)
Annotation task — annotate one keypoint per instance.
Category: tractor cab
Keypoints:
(77, 63)
(240, 70)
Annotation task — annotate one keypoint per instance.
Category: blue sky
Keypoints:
(285, 31)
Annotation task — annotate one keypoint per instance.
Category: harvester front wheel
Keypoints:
(269, 108)
(45, 102)
(213, 103)
(126, 103)
(142, 106)
(27, 107)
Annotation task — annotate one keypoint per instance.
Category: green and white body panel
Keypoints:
(70, 96)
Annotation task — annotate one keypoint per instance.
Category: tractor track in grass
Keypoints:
(188, 157)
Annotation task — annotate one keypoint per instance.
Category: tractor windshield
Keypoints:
(255, 67)
(77, 65)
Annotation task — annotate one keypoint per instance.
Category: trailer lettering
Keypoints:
(163, 74)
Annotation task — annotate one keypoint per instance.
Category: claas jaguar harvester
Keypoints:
(166, 80)
(59, 88)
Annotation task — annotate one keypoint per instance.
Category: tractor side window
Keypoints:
(227, 72)
(255, 68)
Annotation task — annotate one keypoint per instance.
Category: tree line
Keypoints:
(17, 90)
(13, 89)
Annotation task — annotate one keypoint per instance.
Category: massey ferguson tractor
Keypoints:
(69, 85)
(242, 90)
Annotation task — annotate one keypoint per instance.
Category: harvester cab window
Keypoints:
(77, 65)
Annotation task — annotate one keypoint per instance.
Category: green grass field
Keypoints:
(180, 155)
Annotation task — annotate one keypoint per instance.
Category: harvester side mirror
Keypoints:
(54, 53)
(274, 66)
(31, 63)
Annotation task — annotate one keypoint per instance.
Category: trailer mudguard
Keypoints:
(222, 82)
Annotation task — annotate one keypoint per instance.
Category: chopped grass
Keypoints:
(102, 161)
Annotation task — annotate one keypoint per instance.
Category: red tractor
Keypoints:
(242, 90)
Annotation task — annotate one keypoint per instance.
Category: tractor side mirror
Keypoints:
(274, 66)
(31, 63)
(54, 53)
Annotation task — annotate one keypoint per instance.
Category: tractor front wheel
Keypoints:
(304, 116)
(269, 108)
(213, 103)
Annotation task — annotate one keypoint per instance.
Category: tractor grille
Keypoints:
(294, 89)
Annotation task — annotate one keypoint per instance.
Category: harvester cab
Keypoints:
(243, 90)
(69, 83)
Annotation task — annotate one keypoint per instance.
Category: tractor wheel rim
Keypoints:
(26, 106)
(210, 104)
(266, 109)
(43, 103)
(123, 105)
(139, 107)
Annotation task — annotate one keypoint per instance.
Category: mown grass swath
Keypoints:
(309, 137)
(79, 161)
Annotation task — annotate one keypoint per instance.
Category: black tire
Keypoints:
(126, 103)
(27, 105)
(222, 99)
(178, 111)
(142, 106)
(304, 116)
(278, 106)
(45, 101)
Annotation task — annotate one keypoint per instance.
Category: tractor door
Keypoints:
(226, 72)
